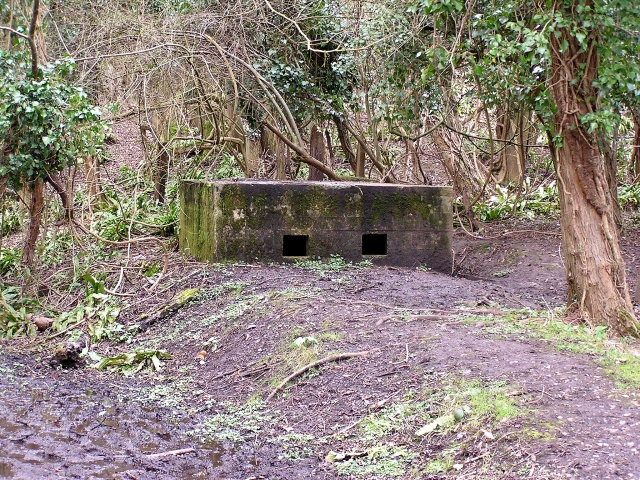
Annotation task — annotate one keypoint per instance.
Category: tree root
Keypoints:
(317, 363)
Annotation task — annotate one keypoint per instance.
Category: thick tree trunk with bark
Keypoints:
(510, 165)
(611, 174)
(597, 284)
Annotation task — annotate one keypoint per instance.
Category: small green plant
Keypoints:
(503, 273)
(14, 321)
(56, 245)
(228, 168)
(12, 217)
(542, 200)
(99, 309)
(236, 423)
(629, 195)
(295, 445)
(131, 363)
(334, 263)
(393, 418)
(387, 460)
(9, 260)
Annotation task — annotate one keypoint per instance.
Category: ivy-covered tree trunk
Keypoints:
(597, 284)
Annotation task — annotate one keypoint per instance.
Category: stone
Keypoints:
(280, 221)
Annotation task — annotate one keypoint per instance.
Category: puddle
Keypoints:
(76, 435)
(59, 424)
(216, 450)
(5, 470)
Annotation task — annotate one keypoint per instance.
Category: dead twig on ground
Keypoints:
(331, 358)
(171, 453)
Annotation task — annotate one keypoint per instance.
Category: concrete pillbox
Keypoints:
(248, 220)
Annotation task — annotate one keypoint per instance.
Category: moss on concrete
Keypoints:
(246, 220)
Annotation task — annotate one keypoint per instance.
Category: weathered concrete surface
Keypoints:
(245, 220)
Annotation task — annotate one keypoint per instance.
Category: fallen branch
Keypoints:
(348, 427)
(171, 453)
(331, 358)
(145, 320)
(414, 317)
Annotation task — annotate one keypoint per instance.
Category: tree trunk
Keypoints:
(65, 198)
(35, 218)
(274, 152)
(510, 164)
(330, 150)
(345, 142)
(635, 152)
(611, 173)
(319, 152)
(92, 179)
(251, 157)
(359, 170)
(597, 284)
(161, 174)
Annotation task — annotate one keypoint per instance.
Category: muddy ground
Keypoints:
(426, 340)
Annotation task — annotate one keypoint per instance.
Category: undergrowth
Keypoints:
(334, 263)
(235, 422)
(452, 417)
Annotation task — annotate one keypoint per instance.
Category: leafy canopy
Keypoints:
(46, 122)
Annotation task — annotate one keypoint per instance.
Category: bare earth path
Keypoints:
(81, 423)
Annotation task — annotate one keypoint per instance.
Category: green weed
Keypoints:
(131, 363)
(295, 445)
(542, 200)
(174, 392)
(12, 217)
(334, 263)
(394, 418)
(14, 308)
(9, 260)
(236, 423)
(386, 460)
(444, 412)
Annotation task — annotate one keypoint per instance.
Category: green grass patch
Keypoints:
(295, 445)
(235, 423)
(447, 413)
(615, 355)
(385, 460)
(335, 263)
